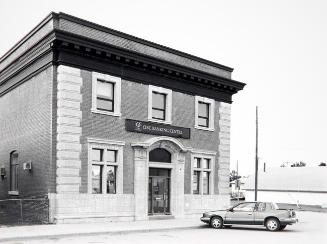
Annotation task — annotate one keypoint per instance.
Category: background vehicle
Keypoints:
(251, 213)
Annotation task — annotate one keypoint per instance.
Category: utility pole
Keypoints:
(256, 156)
(237, 183)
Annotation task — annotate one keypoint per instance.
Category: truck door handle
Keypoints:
(249, 213)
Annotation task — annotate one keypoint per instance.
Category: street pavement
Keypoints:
(312, 228)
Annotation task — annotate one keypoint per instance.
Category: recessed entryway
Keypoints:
(159, 191)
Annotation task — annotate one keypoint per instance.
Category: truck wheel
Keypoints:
(216, 222)
(272, 224)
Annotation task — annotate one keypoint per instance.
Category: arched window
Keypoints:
(14, 171)
(160, 155)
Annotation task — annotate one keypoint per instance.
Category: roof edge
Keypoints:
(140, 40)
(27, 36)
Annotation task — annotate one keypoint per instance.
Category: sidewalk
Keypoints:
(30, 232)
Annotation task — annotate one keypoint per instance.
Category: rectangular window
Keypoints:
(14, 171)
(158, 106)
(104, 170)
(105, 96)
(205, 181)
(196, 182)
(203, 114)
(202, 177)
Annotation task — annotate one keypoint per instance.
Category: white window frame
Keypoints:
(168, 93)
(211, 103)
(106, 145)
(203, 156)
(117, 93)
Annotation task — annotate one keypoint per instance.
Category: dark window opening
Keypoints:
(160, 155)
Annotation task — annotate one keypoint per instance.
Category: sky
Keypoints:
(278, 48)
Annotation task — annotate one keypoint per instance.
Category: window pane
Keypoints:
(105, 89)
(158, 100)
(97, 179)
(206, 182)
(203, 110)
(196, 182)
(245, 207)
(97, 154)
(158, 114)
(203, 122)
(261, 207)
(16, 178)
(197, 163)
(105, 104)
(111, 155)
(206, 163)
(111, 180)
(12, 177)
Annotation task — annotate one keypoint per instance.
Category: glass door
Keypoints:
(159, 191)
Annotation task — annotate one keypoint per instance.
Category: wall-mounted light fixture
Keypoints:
(3, 172)
(27, 165)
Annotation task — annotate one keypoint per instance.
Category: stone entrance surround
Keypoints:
(141, 174)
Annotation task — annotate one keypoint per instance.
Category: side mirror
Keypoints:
(230, 210)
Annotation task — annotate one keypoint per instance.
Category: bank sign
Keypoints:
(157, 129)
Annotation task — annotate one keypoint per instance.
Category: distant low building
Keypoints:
(297, 185)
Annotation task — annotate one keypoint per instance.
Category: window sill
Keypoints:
(13, 193)
(106, 113)
(204, 128)
(167, 122)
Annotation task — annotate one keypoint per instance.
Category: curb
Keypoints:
(118, 232)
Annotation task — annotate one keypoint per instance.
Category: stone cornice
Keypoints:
(68, 48)
(85, 23)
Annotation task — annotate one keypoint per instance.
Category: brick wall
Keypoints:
(25, 122)
(134, 106)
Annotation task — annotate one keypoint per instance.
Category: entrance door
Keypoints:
(159, 191)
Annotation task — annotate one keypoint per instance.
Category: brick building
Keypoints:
(105, 125)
